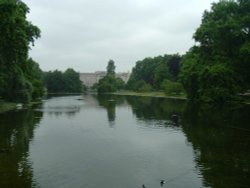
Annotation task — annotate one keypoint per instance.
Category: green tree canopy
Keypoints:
(17, 34)
(216, 70)
(110, 83)
(153, 71)
(72, 81)
(111, 68)
(63, 82)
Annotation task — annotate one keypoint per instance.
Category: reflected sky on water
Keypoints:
(114, 141)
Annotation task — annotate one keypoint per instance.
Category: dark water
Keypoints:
(124, 142)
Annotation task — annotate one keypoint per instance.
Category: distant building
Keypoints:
(89, 79)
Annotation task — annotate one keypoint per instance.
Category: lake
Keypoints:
(110, 141)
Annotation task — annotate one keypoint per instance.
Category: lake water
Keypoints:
(124, 142)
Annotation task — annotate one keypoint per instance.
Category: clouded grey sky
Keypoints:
(85, 34)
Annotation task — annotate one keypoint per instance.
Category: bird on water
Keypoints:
(162, 182)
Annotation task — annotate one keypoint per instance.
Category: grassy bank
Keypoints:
(150, 94)
(6, 106)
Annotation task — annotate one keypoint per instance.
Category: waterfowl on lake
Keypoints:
(19, 106)
(162, 182)
(143, 186)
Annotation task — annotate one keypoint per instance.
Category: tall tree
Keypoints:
(72, 81)
(111, 68)
(109, 83)
(54, 81)
(34, 75)
(16, 35)
(217, 69)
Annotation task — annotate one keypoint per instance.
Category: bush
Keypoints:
(172, 88)
(145, 88)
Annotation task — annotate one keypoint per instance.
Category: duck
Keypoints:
(163, 182)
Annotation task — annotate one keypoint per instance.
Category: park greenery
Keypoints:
(20, 78)
(217, 68)
(109, 83)
(63, 82)
(214, 70)
(158, 73)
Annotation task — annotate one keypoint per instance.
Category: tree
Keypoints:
(174, 64)
(73, 83)
(111, 68)
(161, 73)
(109, 83)
(217, 69)
(16, 35)
(63, 82)
(54, 81)
(34, 74)
(154, 71)
(172, 88)
(120, 84)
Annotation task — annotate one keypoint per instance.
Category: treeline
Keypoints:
(217, 68)
(158, 73)
(150, 74)
(63, 82)
(20, 76)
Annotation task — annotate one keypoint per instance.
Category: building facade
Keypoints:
(89, 79)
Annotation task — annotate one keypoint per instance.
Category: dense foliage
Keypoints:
(152, 73)
(19, 76)
(110, 83)
(63, 82)
(216, 70)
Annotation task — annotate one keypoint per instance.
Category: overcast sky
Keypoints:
(85, 34)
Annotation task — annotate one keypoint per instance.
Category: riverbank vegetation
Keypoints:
(63, 82)
(6, 106)
(109, 83)
(155, 77)
(215, 70)
(154, 74)
(19, 75)
(21, 79)
(157, 94)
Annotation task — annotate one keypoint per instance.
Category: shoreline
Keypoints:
(149, 94)
(7, 106)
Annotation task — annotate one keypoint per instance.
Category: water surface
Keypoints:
(124, 142)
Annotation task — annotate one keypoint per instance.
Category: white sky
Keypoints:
(85, 34)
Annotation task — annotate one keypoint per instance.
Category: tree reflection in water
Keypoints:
(221, 140)
(109, 102)
(16, 132)
(57, 106)
(219, 135)
(158, 109)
